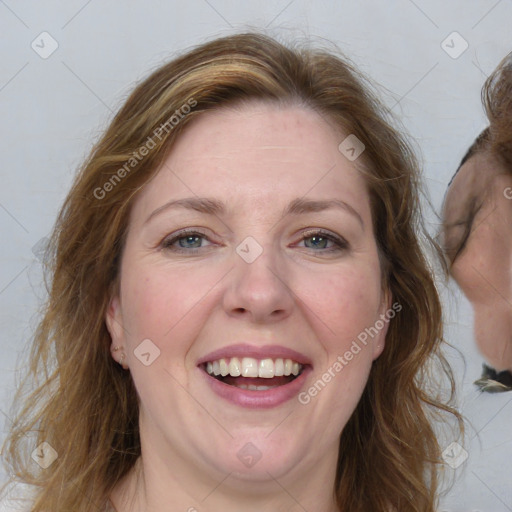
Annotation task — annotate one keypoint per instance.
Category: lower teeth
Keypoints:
(252, 387)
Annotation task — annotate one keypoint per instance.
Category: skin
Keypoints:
(483, 269)
(256, 159)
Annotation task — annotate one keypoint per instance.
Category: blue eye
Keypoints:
(193, 241)
(319, 240)
(188, 241)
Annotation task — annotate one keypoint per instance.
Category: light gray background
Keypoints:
(52, 110)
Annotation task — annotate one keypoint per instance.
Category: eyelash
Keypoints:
(339, 243)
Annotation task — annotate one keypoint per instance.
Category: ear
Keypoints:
(115, 327)
(386, 313)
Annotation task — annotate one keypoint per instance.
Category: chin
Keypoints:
(257, 458)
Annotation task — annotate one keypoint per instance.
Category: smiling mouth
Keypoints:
(254, 374)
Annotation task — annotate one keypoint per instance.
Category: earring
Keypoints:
(123, 355)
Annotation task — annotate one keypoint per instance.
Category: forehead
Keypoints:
(472, 184)
(255, 152)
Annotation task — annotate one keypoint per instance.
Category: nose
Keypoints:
(259, 291)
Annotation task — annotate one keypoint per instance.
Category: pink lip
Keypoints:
(266, 351)
(257, 399)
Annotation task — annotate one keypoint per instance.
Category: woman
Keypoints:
(478, 231)
(241, 313)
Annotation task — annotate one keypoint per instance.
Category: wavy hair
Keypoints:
(86, 407)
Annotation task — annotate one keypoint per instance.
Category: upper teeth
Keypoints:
(250, 367)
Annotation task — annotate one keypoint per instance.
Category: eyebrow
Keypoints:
(298, 206)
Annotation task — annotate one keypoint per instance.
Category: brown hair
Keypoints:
(495, 141)
(497, 100)
(86, 406)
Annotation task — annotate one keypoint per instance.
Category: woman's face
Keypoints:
(253, 243)
(483, 267)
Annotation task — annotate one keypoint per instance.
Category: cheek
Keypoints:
(145, 303)
(483, 270)
(344, 303)
(346, 310)
(345, 297)
(156, 298)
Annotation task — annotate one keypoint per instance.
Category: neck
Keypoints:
(149, 488)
